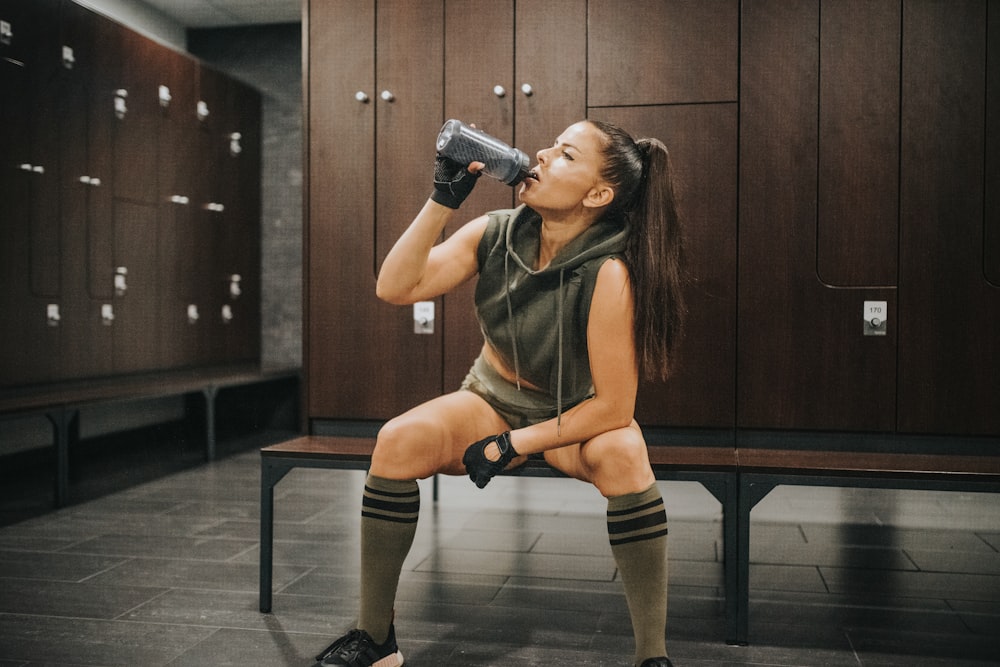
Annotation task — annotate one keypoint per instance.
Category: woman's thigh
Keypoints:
(432, 437)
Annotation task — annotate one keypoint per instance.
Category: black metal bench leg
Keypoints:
(65, 433)
(731, 556)
(210, 394)
(751, 491)
(270, 474)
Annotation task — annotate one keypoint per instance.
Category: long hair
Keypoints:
(639, 173)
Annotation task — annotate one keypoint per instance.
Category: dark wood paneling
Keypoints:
(370, 171)
(135, 137)
(949, 365)
(859, 143)
(341, 201)
(662, 51)
(237, 245)
(803, 362)
(85, 202)
(991, 259)
(143, 337)
(702, 140)
(550, 56)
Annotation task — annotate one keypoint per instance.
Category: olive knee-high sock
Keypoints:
(637, 529)
(389, 512)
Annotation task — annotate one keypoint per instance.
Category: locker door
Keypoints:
(32, 302)
(803, 359)
(86, 200)
(370, 160)
(949, 364)
(235, 278)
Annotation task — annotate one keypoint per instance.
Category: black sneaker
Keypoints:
(656, 662)
(358, 649)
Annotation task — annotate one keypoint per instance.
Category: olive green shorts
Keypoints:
(518, 407)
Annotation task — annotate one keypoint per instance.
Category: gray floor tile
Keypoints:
(520, 573)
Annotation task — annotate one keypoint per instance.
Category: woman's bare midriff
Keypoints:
(500, 367)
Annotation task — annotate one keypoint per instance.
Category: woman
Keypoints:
(578, 292)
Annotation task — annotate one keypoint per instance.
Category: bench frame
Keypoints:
(739, 478)
(713, 467)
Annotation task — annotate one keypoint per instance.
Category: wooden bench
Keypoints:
(739, 478)
(61, 402)
(713, 466)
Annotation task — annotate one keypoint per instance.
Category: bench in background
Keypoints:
(61, 403)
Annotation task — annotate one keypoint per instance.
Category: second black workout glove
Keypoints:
(452, 182)
(481, 470)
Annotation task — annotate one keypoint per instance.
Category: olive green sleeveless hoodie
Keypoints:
(536, 320)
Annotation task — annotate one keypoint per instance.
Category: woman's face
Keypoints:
(568, 173)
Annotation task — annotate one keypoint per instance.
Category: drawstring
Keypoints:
(559, 380)
(510, 320)
(511, 329)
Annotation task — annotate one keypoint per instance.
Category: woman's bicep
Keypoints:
(452, 261)
(610, 338)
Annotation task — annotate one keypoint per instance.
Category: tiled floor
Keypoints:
(518, 574)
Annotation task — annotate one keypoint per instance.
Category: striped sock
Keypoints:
(637, 529)
(389, 511)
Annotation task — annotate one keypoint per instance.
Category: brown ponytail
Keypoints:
(639, 172)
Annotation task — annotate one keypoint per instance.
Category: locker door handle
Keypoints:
(165, 96)
(52, 315)
(361, 96)
(92, 181)
(179, 199)
(6, 33)
(215, 207)
(121, 108)
(68, 58)
(234, 144)
(527, 89)
(121, 280)
(202, 110)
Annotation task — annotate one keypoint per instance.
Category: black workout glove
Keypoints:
(452, 182)
(481, 470)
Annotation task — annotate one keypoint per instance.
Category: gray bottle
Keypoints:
(466, 145)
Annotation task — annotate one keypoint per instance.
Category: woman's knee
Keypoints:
(617, 462)
(405, 449)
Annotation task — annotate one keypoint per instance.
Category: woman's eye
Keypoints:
(567, 155)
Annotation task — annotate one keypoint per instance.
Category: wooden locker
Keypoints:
(233, 208)
(32, 245)
(370, 163)
(86, 198)
(949, 366)
(803, 359)
(656, 52)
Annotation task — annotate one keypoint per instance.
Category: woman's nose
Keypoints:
(540, 155)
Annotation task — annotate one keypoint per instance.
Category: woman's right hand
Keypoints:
(453, 182)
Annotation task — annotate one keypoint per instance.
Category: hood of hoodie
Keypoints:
(523, 239)
(536, 319)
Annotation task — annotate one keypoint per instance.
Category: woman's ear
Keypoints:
(599, 196)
